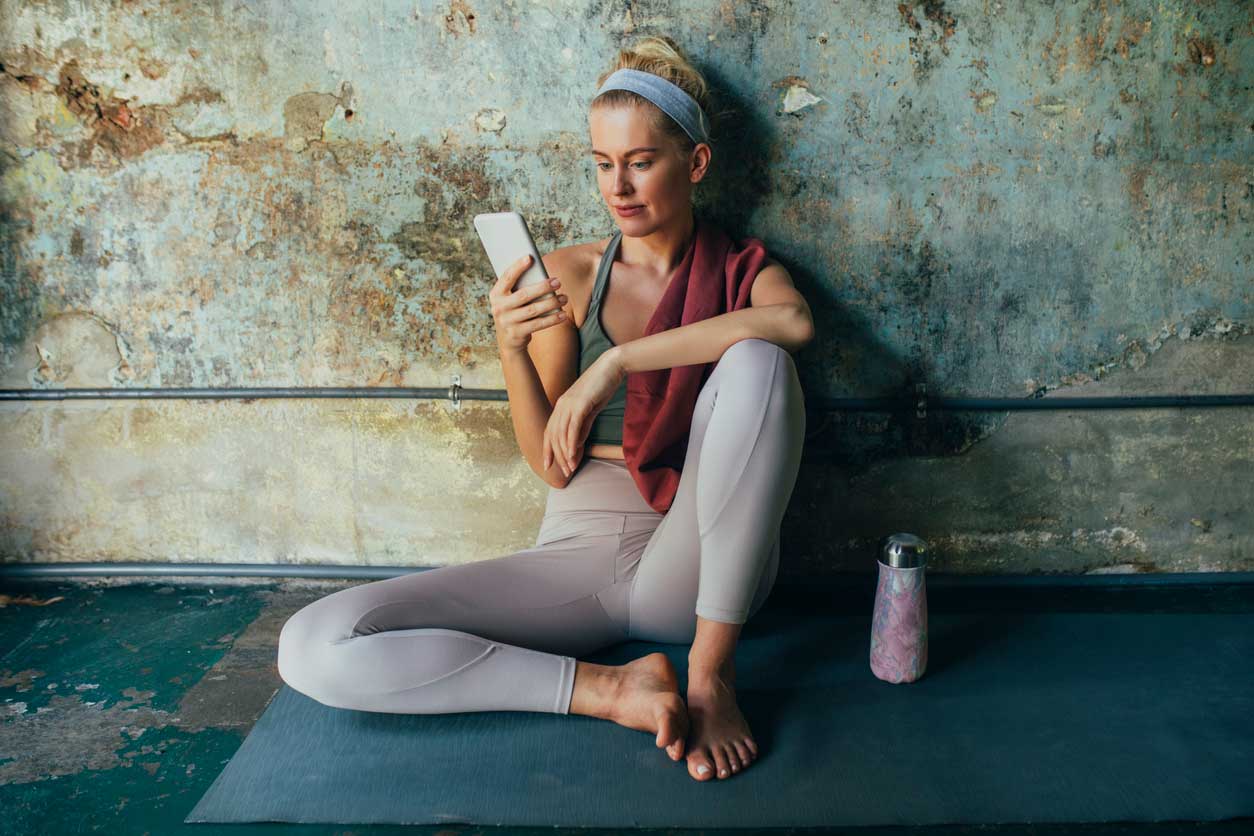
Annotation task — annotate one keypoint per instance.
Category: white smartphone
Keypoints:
(506, 239)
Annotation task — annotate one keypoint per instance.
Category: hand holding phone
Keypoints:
(506, 238)
(524, 298)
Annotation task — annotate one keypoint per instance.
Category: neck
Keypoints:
(661, 250)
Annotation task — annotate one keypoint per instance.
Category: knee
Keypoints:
(302, 655)
(758, 364)
(754, 355)
(754, 348)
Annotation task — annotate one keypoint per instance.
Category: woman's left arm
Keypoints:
(777, 313)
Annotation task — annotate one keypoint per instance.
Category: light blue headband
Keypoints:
(671, 98)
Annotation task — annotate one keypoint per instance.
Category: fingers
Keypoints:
(531, 302)
(561, 434)
(539, 323)
(553, 452)
(575, 436)
(563, 440)
(504, 287)
(510, 276)
(520, 266)
(531, 291)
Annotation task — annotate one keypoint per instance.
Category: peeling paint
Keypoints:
(984, 100)
(798, 98)
(305, 115)
(19, 680)
(72, 349)
(117, 127)
(460, 18)
(67, 736)
(490, 119)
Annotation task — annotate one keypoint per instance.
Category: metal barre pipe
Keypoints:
(456, 393)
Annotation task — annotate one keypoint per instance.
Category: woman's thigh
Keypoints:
(542, 598)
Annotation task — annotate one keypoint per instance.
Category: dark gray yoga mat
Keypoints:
(1021, 717)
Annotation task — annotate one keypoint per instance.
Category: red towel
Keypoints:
(714, 278)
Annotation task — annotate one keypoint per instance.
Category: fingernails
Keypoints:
(554, 282)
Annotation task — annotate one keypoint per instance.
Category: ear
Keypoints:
(699, 164)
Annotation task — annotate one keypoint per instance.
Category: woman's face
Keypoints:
(658, 179)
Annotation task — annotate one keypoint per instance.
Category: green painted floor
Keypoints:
(121, 702)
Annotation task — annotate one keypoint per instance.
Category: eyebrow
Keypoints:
(628, 154)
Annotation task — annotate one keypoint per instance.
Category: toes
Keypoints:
(720, 762)
(743, 752)
(699, 766)
(665, 731)
(733, 757)
(752, 746)
(672, 729)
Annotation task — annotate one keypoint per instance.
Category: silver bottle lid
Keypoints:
(903, 551)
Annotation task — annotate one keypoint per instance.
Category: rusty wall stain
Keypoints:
(460, 18)
(118, 128)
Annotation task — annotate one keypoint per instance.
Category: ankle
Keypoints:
(597, 690)
(702, 674)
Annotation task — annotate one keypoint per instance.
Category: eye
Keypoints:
(646, 164)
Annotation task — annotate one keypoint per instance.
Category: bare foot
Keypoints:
(721, 743)
(642, 694)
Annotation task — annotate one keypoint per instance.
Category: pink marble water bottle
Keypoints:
(899, 622)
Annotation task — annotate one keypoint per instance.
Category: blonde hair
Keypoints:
(661, 56)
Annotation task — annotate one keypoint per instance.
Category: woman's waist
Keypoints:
(599, 486)
(566, 525)
(605, 450)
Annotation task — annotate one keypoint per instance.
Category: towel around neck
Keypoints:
(714, 278)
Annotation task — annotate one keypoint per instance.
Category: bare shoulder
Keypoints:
(575, 265)
(581, 257)
(773, 285)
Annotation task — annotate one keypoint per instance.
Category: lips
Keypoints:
(628, 211)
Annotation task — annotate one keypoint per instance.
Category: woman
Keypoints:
(503, 633)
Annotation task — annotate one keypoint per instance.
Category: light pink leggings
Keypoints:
(502, 634)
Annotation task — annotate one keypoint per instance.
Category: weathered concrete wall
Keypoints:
(992, 198)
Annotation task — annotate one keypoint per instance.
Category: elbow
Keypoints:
(804, 327)
(553, 477)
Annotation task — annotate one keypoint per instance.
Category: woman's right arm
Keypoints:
(538, 344)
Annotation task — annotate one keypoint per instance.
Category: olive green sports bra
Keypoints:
(607, 425)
